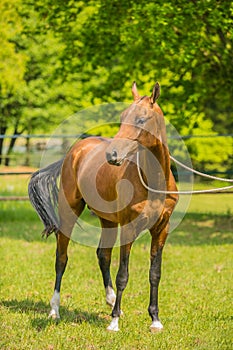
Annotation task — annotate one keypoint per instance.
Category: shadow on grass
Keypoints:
(203, 229)
(20, 221)
(38, 312)
(199, 229)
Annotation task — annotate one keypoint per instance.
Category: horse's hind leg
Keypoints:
(104, 252)
(60, 265)
(69, 211)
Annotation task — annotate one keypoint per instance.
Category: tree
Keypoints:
(32, 97)
(187, 46)
(12, 66)
(81, 53)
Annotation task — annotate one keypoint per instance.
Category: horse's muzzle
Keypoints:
(112, 158)
(119, 149)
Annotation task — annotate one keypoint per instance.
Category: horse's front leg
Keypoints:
(60, 265)
(121, 279)
(157, 243)
(104, 253)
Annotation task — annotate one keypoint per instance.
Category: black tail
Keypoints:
(43, 194)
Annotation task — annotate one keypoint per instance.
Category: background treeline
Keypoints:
(58, 57)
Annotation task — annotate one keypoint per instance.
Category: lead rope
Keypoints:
(185, 192)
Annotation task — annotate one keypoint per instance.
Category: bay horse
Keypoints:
(104, 174)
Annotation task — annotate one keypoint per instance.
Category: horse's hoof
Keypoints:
(112, 329)
(54, 316)
(156, 327)
(114, 325)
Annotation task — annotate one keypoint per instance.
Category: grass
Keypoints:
(195, 289)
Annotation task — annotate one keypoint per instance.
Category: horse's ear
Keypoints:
(155, 93)
(135, 93)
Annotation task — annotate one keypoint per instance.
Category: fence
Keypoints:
(30, 149)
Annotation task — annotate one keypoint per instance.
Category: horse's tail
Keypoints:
(43, 194)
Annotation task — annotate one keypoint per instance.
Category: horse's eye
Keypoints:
(140, 121)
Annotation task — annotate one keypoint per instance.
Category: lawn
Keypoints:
(195, 289)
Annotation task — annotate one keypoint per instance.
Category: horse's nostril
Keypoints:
(114, 155)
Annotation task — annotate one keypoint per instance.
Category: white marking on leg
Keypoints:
(55, 303)
(110, 296)
(114, 325)
(156, 326)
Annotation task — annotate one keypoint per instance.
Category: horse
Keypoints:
(105, 174)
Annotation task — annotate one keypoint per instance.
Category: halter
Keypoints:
(213, 190)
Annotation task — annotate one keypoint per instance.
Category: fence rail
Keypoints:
(16, 173)
(14, 198)
(26, 198)
(29, 148)
(43, 136)
(34, 152)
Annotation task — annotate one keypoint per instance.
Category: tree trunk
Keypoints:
(2, 132)
(9, 151)
(27, 160)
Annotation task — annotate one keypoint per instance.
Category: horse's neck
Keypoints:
(161, 153)
(155, 165)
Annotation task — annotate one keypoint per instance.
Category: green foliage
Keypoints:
(187, 46)
(12, 62)
(208, 151)
(66, 56)
(32, 97)
(30, 105)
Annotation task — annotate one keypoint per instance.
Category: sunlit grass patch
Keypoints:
(195, 290)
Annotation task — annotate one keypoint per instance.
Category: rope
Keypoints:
(185, 192)
(198, 172)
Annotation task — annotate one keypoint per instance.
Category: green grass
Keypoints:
(195, 289)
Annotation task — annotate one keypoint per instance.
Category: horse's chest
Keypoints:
(116, 194)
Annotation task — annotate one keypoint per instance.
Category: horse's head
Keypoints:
(142, 123)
